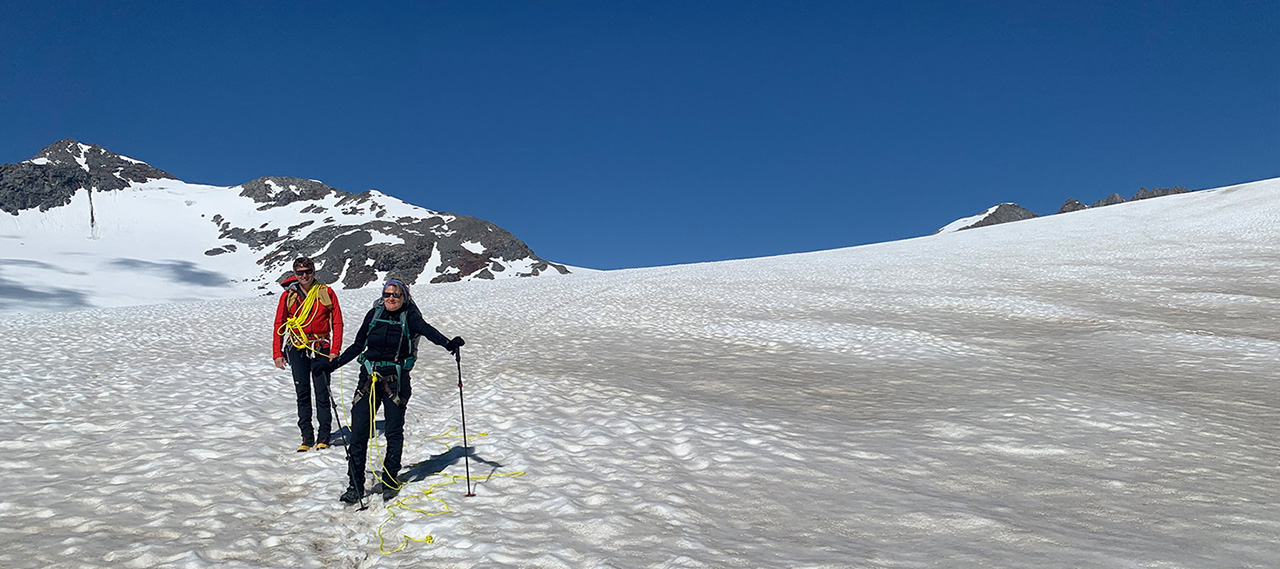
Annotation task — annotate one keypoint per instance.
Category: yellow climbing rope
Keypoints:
(294, 327)
(428, 494)
(375, 464)
(373, 434)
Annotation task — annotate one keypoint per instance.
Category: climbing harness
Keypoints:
(370, 367)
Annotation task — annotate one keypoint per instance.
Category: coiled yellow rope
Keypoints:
(293, 328)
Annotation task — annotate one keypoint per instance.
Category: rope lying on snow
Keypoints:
(375, 466)
(428, 494)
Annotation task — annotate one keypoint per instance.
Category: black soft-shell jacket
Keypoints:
(386, 341)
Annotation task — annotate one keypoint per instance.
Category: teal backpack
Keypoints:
(407, 363)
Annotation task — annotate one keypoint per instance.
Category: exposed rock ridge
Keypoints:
(277, 191)
(1007, 212)
(65, 167)
(1003, 213)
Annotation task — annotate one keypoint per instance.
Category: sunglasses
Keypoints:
(304, 272)
(392, 295)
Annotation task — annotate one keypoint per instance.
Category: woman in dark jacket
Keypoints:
(385, 345)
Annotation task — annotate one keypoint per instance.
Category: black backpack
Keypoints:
(379, 309)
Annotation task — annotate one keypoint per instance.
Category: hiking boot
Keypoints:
(304, 447)
(389, 487)
(351, 496)
(389, 492)
(322, 445)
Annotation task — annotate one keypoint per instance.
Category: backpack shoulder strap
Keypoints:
(377, 313)
(413, 340)
(323, 295)
(292, 302)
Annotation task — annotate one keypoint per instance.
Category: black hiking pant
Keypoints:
(305, 379)
(382, 394)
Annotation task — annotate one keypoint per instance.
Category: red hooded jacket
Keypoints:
(326, 323)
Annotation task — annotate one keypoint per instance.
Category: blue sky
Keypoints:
(639, 133)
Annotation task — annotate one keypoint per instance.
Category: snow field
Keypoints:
(1095, 389)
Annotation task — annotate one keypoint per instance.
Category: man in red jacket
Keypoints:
(308, 332)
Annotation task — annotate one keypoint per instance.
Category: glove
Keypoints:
(454, 344)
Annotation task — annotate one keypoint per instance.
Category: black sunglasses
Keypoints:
(392, 294)
(304, 272)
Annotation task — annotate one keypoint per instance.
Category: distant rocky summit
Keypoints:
(60, 170)
(1007, 212)
(1001, 213)
(466, 247)
(1159, 192)
(259, 227)
(1112, 199)
(1072, 205)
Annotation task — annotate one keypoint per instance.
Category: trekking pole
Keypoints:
(466, 451)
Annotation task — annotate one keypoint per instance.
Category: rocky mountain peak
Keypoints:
(63, 152)
(355, 239)
(95, 160)
(1112, 199)
(1144, 193)
(65, 167)
(1071, 205)
(1001, 213)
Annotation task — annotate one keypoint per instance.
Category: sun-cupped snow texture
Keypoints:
(1092, 390)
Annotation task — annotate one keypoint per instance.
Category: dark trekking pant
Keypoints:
(305, 379)
(362, 419)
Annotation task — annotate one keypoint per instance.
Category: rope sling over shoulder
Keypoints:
(294, 327)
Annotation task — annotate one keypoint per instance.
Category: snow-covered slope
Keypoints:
(1089, 390)
(143, 237)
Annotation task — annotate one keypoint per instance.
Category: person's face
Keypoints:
(392, 298)
(306, 276)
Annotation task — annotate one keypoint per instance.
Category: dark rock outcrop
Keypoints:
(277, 191)
(1144, 193)
(1072, 205)
(1112, 199)
(347, 253)
(65, 167)
(1003, 213)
